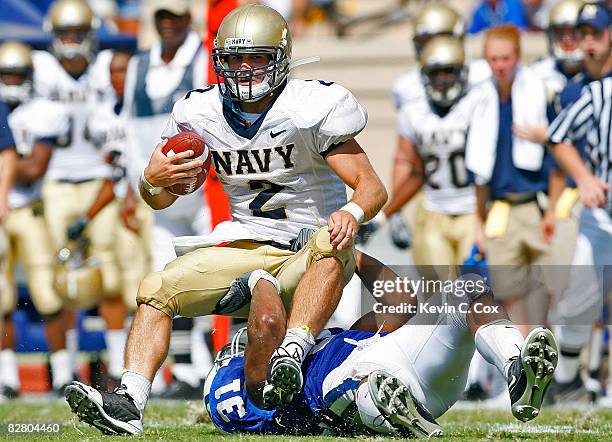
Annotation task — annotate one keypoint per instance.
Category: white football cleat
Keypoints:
(399, 407)
(531, 373)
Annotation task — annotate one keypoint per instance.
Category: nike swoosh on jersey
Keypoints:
(274, 135)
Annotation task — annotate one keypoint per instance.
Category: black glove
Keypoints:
(75, 230)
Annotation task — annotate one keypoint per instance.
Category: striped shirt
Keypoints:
(591, 116)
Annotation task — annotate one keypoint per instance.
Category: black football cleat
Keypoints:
(531, 373)
(112, 413)
(400, 408)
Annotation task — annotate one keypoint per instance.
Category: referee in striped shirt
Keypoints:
(589, 116)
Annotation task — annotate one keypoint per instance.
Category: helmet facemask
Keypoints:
(84, 46)
(444, 84)
(569, 59)
(15, 85)
(257, 82)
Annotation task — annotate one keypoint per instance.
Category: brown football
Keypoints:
(182, 142)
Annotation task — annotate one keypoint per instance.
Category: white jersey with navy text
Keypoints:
(108, 132)
(278, 180)
(440, 142)
(78, 159)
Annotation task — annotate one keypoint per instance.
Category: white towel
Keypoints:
(528, 109)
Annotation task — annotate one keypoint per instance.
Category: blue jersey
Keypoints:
(309, 412)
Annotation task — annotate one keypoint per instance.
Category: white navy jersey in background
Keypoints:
(38, 119)
(108, 132)
(78, 159)
(440, 142)
(278, 181)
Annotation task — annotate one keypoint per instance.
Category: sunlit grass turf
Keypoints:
(189, 422)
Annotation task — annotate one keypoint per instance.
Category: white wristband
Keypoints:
(354, 210)
(148, 187)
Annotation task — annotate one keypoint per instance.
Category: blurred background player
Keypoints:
(8, 162)
(434, 19)
(38, 125)
(509, 173)
(76, 76)
(583, 295)
(433, 131)
(132, 243)
(561, 67)
(156, 78)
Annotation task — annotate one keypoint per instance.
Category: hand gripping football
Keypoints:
(182, 142)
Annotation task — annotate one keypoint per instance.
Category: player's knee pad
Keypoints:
(151, 293)
(370, 415)
(321, 247)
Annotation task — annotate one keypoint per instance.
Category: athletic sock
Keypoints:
(72, 345)
(59, 360)
(297, 343)
(9, 375)
(567, 366)
(115, 345)
(499, 342)
(138, 387)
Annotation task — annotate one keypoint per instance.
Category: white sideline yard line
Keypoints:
(540, 429)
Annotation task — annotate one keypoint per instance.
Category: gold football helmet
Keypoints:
(252, 30)
(436, 18)
(15, 72)
(562, 21)
(78, 278)
(73, 27)
(443, 70)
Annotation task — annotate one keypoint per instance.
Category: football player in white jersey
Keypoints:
(108, 131)
(284, 151)
(434, 19)
(37, 125)
(78, 77)
(433, 131)
(156, 79)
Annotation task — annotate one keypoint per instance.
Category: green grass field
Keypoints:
(189, 422)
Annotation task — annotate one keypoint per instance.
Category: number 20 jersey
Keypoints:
(440, 142)
(277, 178)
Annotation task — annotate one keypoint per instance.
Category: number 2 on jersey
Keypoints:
(268, 190)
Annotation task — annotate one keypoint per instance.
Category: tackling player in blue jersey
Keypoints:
(384, 375)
